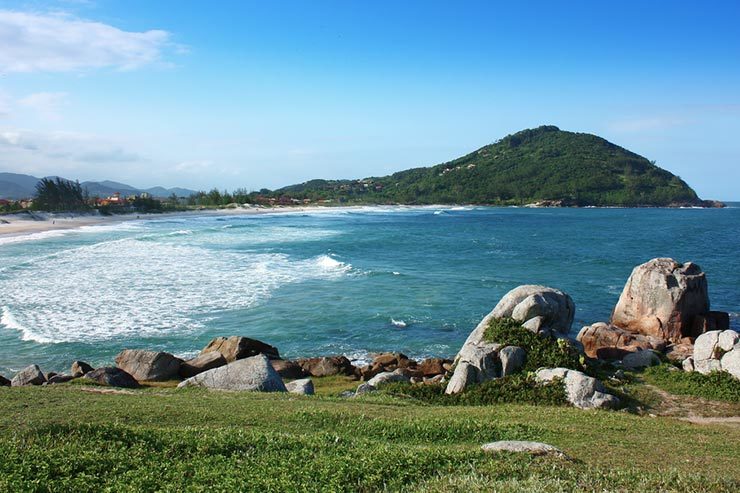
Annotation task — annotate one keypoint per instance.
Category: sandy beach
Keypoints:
(38, 222)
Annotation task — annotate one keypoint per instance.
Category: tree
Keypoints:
(60, 195)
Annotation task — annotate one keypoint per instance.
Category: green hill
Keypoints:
(534, 165)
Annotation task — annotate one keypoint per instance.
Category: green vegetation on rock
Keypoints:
(542, 351)
(541, 164)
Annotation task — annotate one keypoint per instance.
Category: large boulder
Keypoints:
(640, 359)
(717, 351)
(148, 365)
(538, 308)
(605, 341)
(252, 374)
(202, 362)
(239, 347)
(475, 363)
(582, 391)
(31, 375)
(115, 377)
(326, 366)
(304, 386)
(80, 368)
(661, 299)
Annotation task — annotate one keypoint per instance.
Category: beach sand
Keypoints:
(37, 222)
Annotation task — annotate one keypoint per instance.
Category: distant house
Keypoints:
(4, 203)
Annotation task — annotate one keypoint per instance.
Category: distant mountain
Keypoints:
(18, 186)
(544, 165)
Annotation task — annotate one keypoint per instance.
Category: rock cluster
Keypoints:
(664, 308)
(582, 391)
(716, 350)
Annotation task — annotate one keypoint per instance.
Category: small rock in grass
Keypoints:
(533, 448)
(303, 386)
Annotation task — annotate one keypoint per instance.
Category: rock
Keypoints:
(727, 340)
(49, 375)
(433, 366)
(538, 308)
(533, 448)
(718, 351)
(369, 371)
(364, 388)
(435, 379)
(730, 362)
(582, 391)
(387, 377)
(688, 364)
(79, 368)
(640, 359)
(252, 374)
(115, 377)
(608, 342)
(288, 369)
(476, 363)
(148, 365)
(202, 362)
(679, 352)
(512, 359)
(60, 379)
(4, 382)
(303, 386)
(238, 347)
(326, 366)
(30, 375)
(708, 322)
(393, 360)
(661, 299)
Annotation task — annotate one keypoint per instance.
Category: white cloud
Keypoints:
(47, 105)
(193, 166)
(31, 42)
(54, 153)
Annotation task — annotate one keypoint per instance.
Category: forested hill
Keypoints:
(534, 165)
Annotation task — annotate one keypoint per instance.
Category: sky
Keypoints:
(265, 94)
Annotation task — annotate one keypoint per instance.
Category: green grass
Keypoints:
(716, 386)
(72, 438)
(541, 351)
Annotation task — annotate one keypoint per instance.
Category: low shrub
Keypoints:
(519, 389)
(542, 351)
(717, 385)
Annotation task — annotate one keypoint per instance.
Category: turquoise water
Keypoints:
(349, 281)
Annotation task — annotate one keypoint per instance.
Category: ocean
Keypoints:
(350, 281)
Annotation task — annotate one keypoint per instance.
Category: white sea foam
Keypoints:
(399, 323)
(134, 288)
(44, 235)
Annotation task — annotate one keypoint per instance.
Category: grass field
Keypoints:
(76, 438)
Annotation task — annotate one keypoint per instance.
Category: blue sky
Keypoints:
(265, 94)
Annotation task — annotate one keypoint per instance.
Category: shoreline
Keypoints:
(26, 223)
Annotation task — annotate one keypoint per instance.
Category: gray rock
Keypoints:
(251, 374)
(30, 375)
(640, 359)
(688, 364)
(533, 448)
(730, 362)
(661, 299)
(476, 363)
(512, 359)
(115, 377)
(387, 377)
(303, 386)
(727, 340)
(148, 365)
(539, 308)
(79, 368)
(202, 362)
(582, 391)
(365, 388)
